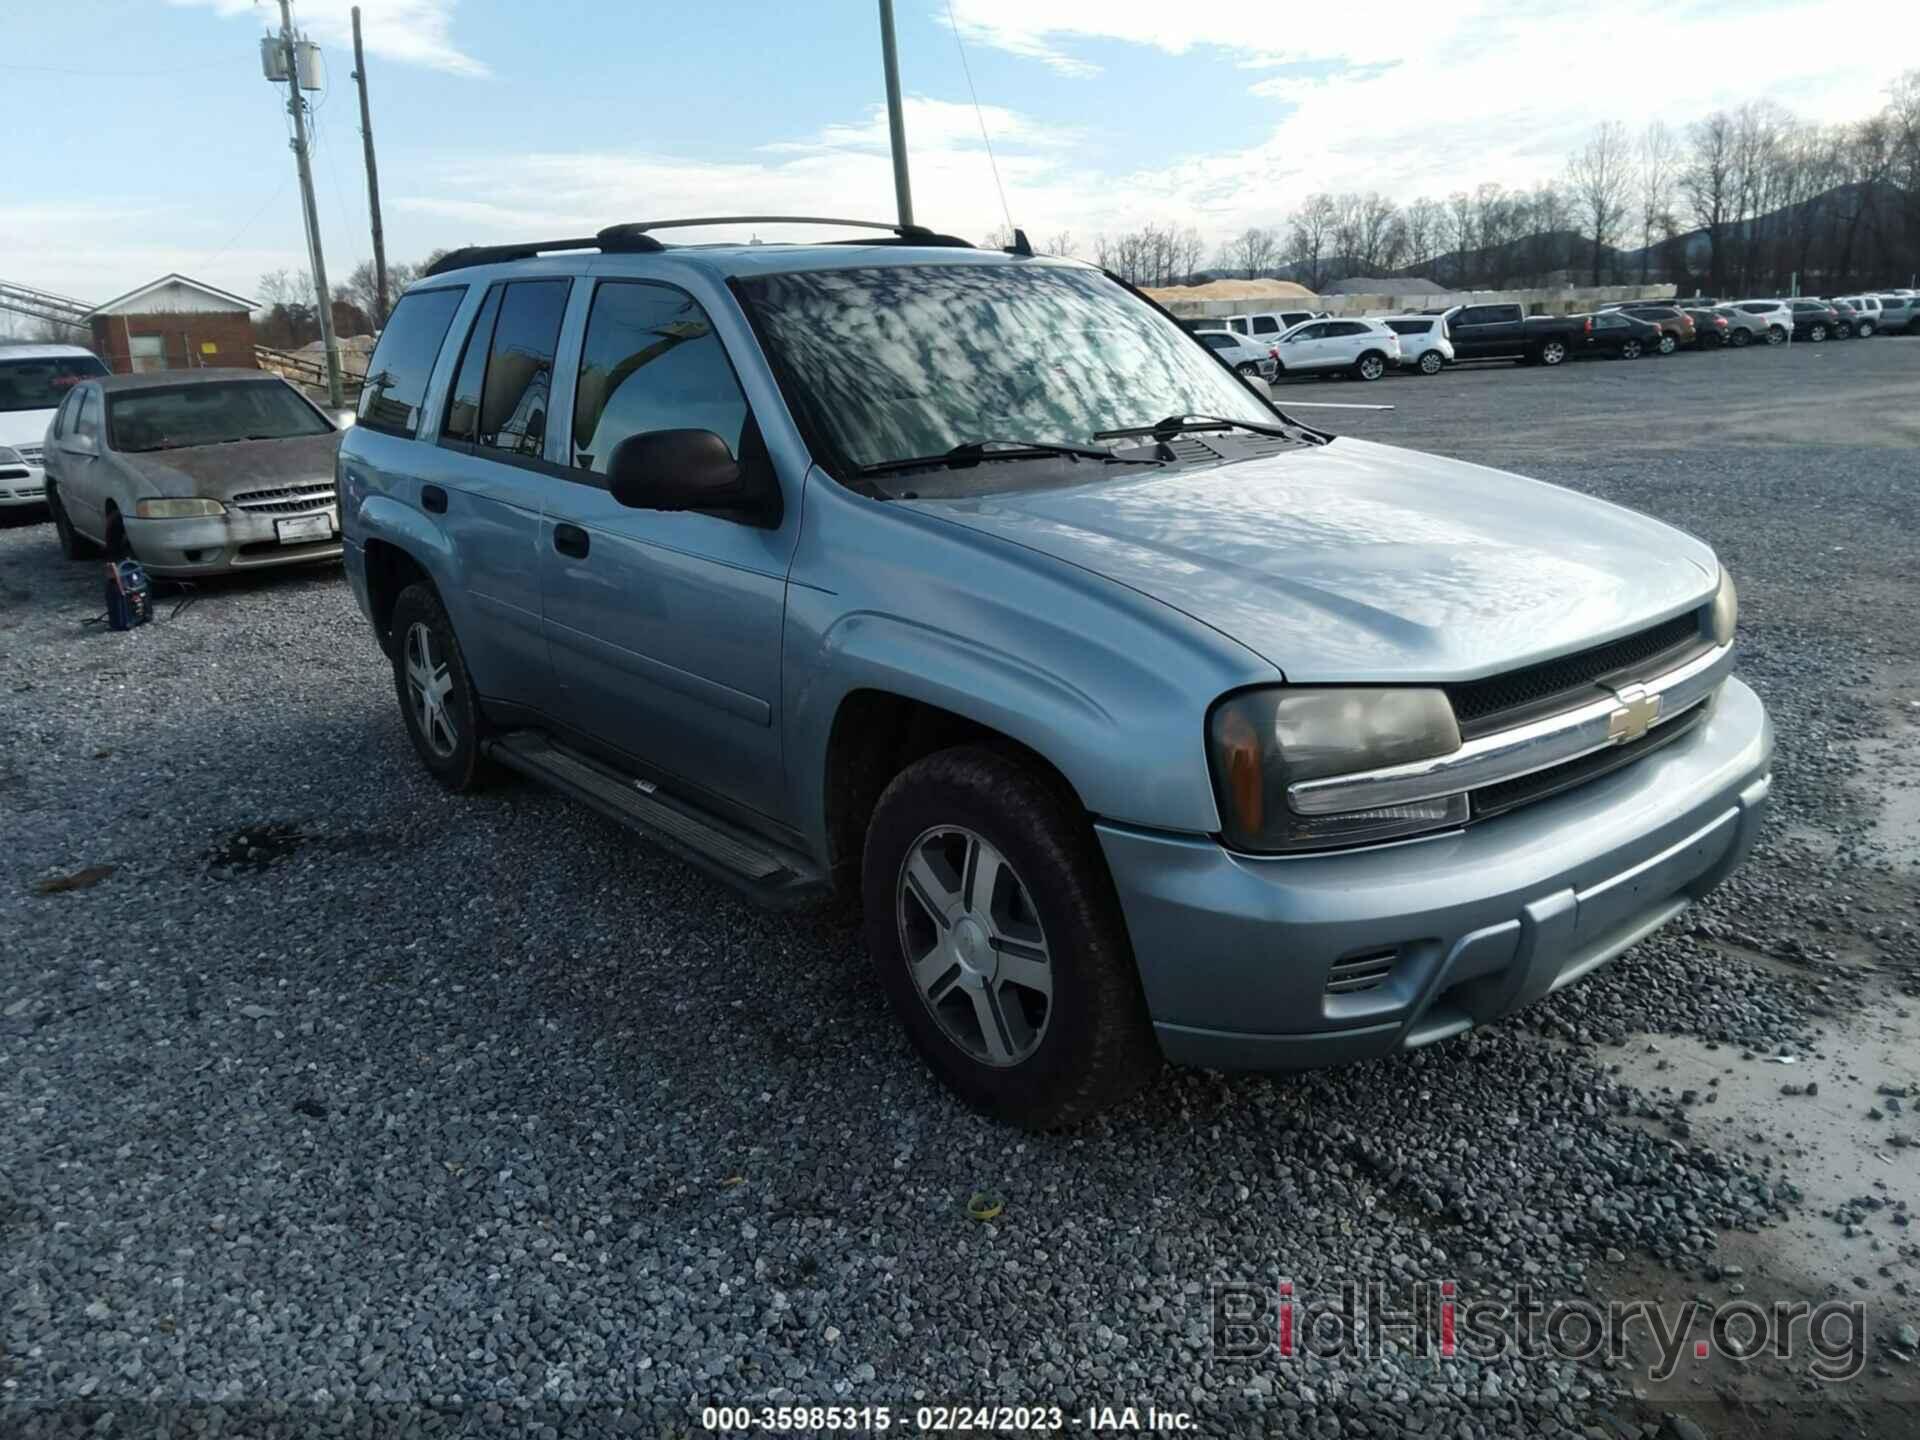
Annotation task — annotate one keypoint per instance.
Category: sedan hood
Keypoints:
(1362, 562)
(24, 427)
(219, 472)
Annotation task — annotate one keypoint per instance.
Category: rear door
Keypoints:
(490, 483)
(664, 626)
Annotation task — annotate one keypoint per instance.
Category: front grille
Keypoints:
(1501, 701)
(1491, 800)
(288, 500)
(29, 453)
(1360, 972)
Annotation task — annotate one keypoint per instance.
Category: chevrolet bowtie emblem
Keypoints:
(1635, 715)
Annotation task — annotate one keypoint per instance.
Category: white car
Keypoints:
(34, 379)
(1365, 349)
(1867, 309)
(1270, 325)
(1424, 345)
(1241, 353)
(1777, 313)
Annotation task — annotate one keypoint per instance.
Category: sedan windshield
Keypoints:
(900, 361)
(218, 413)
(43, 383)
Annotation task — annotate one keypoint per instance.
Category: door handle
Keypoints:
(570, 540)
(433, 498)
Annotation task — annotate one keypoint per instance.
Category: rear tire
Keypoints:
(1864, 329)
(1370, 366)
(1740, 339)
(1056, 1055)
(1552, 352)
(1776, 334)
(1631, 349)
(1817, 334)
(1246, 367)
(1667, 343)
(73, 544)
(1432, 363)
(437, 702)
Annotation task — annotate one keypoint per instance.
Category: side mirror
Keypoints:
(677, 470)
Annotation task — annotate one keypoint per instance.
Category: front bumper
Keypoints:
(22, 484)
(1236, 952)
(237, 540)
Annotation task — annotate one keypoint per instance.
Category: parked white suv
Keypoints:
(1866, 309)
(34, 379)
(1365, 349)
(1424, 345)
(1241, 353)
(1271, 324)
(1777, 313)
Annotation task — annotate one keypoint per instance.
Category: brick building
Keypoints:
(174, 323)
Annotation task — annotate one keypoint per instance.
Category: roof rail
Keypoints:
(634, 236)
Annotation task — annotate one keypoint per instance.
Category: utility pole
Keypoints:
(296, 107)
(896, 122)
(373, 178)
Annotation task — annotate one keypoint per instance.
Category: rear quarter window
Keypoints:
(403, 361)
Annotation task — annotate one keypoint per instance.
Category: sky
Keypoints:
(141, 137)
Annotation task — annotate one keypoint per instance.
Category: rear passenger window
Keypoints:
(1265, 325)
(513, 398)
(650, 362)
(463, 403)
(403, 360)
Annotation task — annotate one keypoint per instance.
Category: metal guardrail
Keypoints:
(305, 369)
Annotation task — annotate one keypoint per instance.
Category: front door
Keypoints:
(664, 627)
(83, 467)
(1304, 349)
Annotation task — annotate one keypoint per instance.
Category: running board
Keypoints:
(770, 875)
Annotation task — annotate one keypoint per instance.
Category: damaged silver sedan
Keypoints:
(193, 472)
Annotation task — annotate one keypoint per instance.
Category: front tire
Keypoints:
(1552, 352)
(1432, 363)
(73, 544)
(1370, 366)
(436, 695)
(998, 939)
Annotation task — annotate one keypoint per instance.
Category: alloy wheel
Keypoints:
(1630, 350)
(973, 945)
(1818, 333)
(1372, 367)
(1667, 343)
(1431, 363)
(429, 683)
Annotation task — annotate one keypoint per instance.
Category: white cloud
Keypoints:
(414, 32)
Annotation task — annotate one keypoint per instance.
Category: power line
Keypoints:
(979, 115)
(118, 74)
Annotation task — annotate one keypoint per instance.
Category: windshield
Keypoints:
(213, 414)
(901, 361)
(42, 384)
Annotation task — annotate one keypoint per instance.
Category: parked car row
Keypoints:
(1368, 348)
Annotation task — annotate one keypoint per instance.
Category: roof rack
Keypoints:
(634, 237)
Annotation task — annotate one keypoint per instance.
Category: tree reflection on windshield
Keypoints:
(908, 360)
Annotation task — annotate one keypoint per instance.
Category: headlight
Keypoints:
(1726, 609)
(179, 509)
(1262, 741)
(10, 456)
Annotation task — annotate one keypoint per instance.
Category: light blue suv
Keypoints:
(1142, 720)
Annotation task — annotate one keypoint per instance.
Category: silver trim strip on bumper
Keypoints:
(1510, 754)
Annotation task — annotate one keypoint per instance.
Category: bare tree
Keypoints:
(1707, 180)
(1062, 244)
(1658, 160)
(1254, 249)
(1308, 234)
(1599, 176)
(1425, 218)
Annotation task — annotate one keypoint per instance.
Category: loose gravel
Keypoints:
(330, 1103)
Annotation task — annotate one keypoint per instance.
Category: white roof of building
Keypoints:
(199, 292)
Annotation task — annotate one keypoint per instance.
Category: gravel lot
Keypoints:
(337, 1103)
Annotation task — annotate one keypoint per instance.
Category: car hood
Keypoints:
(24, 427)
(1355, 561)
(219, 472)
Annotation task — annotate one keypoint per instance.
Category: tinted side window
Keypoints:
(1218, 342)
(463, 403)
(1309, 332)
(1238, 326)
(650, 362)
(1265, 325)
(403, 360)
(513, 399)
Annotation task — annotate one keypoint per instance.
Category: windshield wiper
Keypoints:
(973, 452)
(1180, 424)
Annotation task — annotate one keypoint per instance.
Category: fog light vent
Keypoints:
(1361, 972)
